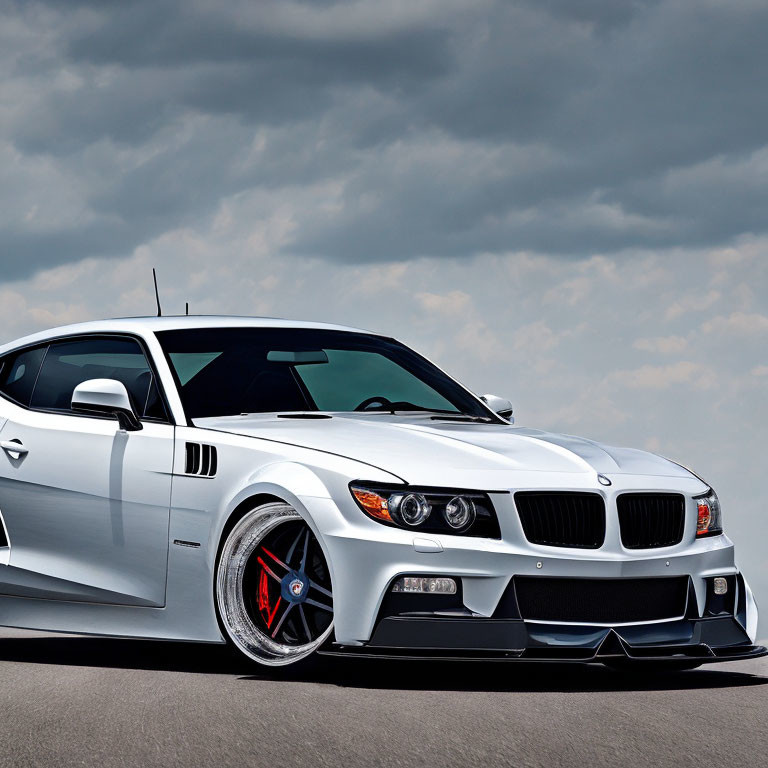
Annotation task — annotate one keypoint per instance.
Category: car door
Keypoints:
(85, 505)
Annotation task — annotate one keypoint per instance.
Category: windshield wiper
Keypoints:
(462, 417)
(441, 415)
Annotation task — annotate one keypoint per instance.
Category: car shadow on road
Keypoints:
(384, 674)
(515, 676)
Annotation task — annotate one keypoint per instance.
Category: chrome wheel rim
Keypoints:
(273, 587)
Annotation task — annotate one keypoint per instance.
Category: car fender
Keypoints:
(304, 488)
(751, 612)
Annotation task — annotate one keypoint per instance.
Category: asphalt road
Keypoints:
(69, 701)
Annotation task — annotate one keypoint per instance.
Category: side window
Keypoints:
(18, 373)
(69, 363)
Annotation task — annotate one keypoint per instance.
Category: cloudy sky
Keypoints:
(560, 202)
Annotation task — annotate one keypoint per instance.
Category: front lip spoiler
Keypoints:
(702, 654)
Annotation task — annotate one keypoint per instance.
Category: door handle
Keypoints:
(13, 446)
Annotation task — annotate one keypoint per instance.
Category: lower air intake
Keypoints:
(601, 601)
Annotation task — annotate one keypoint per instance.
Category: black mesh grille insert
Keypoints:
(651, 520)
(562, 519)
(601, 601)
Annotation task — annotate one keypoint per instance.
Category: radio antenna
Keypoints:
(187, 308)
(157, 293)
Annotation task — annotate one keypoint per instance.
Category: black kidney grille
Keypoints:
(650, 520)
(601, 601)
(562, 519)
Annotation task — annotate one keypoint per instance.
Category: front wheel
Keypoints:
(273, 587)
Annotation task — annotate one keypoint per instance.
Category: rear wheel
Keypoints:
(273, 587)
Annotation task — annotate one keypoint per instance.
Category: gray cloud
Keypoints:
(434, 128)
(440, 170)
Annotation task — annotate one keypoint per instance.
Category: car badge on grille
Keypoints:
(603, 480)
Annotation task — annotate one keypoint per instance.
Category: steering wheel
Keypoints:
(371, 400)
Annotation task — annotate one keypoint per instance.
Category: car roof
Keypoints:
(143, 326)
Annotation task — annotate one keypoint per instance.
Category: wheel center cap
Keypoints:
(294, 587)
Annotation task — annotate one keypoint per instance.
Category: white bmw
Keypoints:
(295, 487)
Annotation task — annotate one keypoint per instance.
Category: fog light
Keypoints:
(429, 585)
(720, 585)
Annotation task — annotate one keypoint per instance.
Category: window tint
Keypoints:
(69, 363)
(189, 364)
(339, 384)
(18, 373)
(228, 371)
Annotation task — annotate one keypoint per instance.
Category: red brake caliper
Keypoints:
(264, 607)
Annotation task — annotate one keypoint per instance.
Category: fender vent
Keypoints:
(201, 460)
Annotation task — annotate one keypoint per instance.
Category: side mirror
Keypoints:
(106, 397)
(499, 405)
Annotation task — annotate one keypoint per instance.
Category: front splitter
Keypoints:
(690, 654)
(708, 640)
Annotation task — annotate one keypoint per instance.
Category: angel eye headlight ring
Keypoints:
(460, 512)
(410, 508)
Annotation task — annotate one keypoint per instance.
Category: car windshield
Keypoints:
(230, 371)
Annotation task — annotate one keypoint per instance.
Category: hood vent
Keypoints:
(201, 460)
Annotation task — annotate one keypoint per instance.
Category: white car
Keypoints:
(296, 487)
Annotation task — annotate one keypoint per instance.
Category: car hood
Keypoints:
(423, 450)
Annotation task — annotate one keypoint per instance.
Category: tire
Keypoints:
(273, 587)
(654, 667)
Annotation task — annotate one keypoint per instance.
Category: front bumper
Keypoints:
(717, 636)
(365, 558)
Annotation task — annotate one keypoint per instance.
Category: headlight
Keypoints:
(412, 508)
(460, 512)
(710, 520)
(429, 510)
